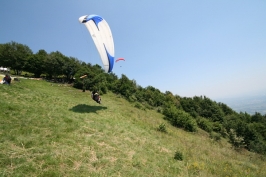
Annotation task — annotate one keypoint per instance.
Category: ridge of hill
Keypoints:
(50, 129)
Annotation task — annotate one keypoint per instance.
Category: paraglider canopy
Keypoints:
(102, 37)
(119, 59)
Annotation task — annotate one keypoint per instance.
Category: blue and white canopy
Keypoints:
(102, 37)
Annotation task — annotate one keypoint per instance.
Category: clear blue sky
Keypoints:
(215, 48)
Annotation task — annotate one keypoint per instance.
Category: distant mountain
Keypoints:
(249, 104)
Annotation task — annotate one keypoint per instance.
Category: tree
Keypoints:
(2, 47)
(125, 86)
(54, 64)
(227, 110)
(170, 99)
(153, 96)
(71, 66)
(111, 79)
(36, 63)
(15, 55)
(95, 80)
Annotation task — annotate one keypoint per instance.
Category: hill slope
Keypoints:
(55, 130)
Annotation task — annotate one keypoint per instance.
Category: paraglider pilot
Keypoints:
(96, 97)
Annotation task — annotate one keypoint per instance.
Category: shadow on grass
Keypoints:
(83, 108)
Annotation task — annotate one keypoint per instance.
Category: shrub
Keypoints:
(147, 106)
(138, 105)
(178, 156)
(204, 124)
(258, 146)
(190, 125)
(162, 128)
(217, 127)
(236, 141)
(132, 98)
(180, 118)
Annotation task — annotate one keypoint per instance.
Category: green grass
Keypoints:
(55, 130)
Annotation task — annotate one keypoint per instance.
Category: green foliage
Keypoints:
(225, 109)
(170, 99)
(180, 118)
(36, 63)
(14, 55)
(147, 106)
(178, 156)
(54, 64)
(202, 106)
(20, 58)
(236, 141)
(162, 128)
(252, 133)
(180, 111)
(125, 86)
(257, 117)
(96, 78)
(132, 98)
(153, 96)
(218, 127)
(254, 139)
(139, 105)
(258, 146)
(204, 124)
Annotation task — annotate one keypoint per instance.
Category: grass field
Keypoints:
(55, 130)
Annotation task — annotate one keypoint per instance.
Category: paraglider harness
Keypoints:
(96, 97)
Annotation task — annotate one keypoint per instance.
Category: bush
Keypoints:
(180, 118)
(236, 141)
(139, 106)
(178, 156)
(204, 124)
(162, 128)
(147, 106)
(132, 98)
(190, 124)
(258, 146)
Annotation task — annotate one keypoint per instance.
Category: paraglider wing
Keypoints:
(102, 37)
(119, 59)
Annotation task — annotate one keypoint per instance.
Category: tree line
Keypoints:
(190, 113)
(19, 57)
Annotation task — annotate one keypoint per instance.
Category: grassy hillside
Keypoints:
(55, 130)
